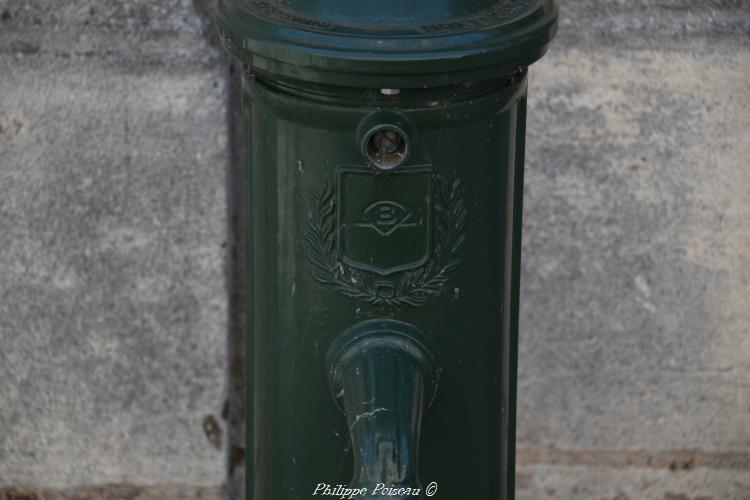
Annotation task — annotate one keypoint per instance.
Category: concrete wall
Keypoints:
(119, 268)
(635, 330)
(113, 250)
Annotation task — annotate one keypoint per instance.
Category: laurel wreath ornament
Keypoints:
(415, 288)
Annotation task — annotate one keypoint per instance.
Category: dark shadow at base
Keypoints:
(234, 412)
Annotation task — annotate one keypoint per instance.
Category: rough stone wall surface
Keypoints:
(113, 267)
(634, 363)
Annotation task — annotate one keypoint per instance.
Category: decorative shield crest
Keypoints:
(389, 238)
(384, 220)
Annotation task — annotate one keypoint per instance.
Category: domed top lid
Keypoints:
(387, 43)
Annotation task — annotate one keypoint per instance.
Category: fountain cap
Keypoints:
(387, 43)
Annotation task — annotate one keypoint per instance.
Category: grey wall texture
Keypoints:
(635, 330)
(113, 249)
(120, 325)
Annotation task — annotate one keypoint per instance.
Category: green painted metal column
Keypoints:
(385, 175)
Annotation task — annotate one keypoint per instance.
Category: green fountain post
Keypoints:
(385, 160)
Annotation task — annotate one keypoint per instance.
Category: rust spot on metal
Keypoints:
(237, 456)
(386, 147)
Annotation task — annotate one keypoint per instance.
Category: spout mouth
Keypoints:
(378, 338)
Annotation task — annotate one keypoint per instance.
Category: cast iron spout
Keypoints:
(383, 376)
